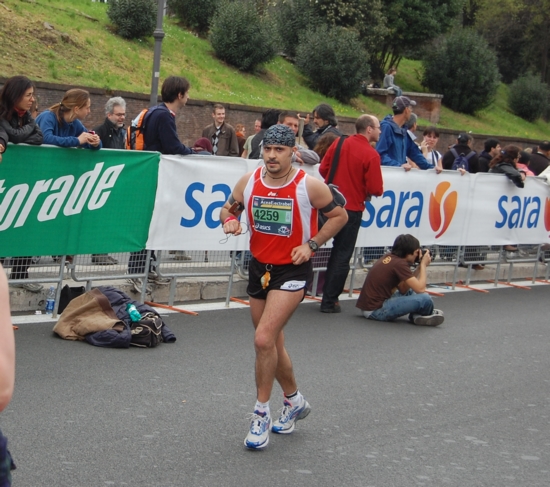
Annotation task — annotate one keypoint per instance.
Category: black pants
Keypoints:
(338, 263)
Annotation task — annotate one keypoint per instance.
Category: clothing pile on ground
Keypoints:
(100, 317)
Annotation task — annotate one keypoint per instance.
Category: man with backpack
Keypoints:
(155, 130)
(461, 155)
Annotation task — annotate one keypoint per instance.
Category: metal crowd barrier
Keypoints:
(170, 267)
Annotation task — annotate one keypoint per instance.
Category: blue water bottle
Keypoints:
(50, 301)
(133, 312)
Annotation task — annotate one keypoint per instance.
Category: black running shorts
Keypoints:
(287, 277)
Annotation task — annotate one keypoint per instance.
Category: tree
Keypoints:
(519, 31)
(334, 60)
(240, 36)
(133, 18)
(463, 68)
(366, 17)
(528, 97)
(292, 19)
(195, 14)
(411, 24)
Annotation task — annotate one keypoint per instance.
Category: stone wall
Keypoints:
(197, 115)
(428, 105)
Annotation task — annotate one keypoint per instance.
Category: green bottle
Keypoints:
(133, 312)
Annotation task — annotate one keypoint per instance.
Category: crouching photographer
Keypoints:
(392, 289)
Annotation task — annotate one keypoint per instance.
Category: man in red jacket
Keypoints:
(358, 177)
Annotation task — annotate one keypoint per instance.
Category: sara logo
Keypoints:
(442, 208)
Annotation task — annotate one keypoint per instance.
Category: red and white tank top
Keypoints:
(281, 218)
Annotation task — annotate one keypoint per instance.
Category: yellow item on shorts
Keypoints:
(265, 279)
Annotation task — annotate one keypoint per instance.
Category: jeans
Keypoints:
(338, 263)
(401, 304)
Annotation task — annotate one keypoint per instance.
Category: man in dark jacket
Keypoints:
(491, 150)
(111, 132)
(540, 159)
(325, 120)
(113, 136)
(463, 146)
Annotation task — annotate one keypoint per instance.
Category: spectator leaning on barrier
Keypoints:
(301, 155)
(523, 163)
(324, 119)
(16, 122)
(428, 144)
(221, 134)
(463, 146)
(392, 290)
(7, 374)
(395, 144)
(113, 136)
(160, 134)
(491, 148)
(112, 132)
(506, 163)
(358, 177)
(540, 158)
(62, 124)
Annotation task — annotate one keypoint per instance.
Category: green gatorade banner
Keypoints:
(75, 201)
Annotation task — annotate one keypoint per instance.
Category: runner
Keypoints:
(281, 202)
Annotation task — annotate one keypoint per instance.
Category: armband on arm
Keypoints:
(236, 206)
(338, 199)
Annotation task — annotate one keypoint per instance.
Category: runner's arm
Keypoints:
(230, 219)
(7, 345)
(319, 197)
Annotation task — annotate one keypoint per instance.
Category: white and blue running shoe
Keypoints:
(258, 437)
(289, 415)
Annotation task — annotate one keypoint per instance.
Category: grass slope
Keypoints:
(91, 55)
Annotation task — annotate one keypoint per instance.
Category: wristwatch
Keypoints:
(313, 245)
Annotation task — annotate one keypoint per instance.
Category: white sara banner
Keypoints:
(446, 208)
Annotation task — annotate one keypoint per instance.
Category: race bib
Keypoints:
(272, 215)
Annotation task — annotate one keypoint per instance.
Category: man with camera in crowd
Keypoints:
(392, 289)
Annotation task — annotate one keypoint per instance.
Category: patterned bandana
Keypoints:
(279, 135)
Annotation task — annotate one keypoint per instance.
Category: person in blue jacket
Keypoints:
(62, 125)
(395, 144)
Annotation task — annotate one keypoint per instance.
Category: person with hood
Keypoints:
(395, 143)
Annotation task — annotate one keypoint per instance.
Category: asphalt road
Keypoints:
(466, 404)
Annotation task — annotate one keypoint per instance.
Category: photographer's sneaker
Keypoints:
(435, 319)
(258, 436)
(289, 415)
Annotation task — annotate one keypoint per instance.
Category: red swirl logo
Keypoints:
(547, 214)
(443, 206)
